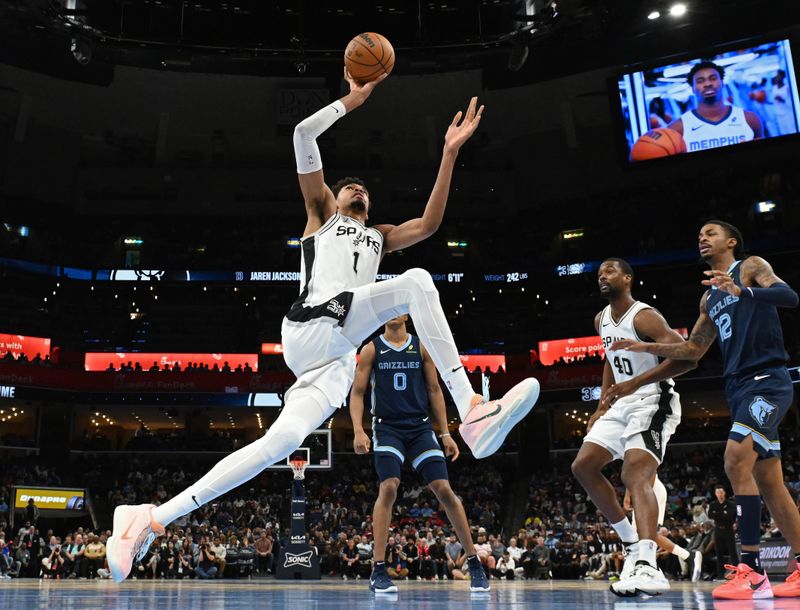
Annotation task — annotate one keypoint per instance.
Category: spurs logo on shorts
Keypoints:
(761, 410)
(298, 559)
(656, 439)
(337, 309)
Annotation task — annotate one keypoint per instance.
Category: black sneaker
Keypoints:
(379, 581)
(477, 577)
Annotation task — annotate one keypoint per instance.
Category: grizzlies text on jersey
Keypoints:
(399, 391)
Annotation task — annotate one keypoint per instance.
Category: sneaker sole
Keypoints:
(516, 412)
(111, 547)
(637, 591)
(380, 591)
(480, 589)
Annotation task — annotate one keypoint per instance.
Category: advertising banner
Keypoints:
(19, 344)
(101, 361)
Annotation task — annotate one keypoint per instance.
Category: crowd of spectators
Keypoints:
(562, 536)
(580, 543)
(240, 534)
(175, 367)
(37, 360)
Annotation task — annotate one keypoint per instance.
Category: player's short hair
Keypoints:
(622, 264)
(732, 232)
(702, 65)
(340, 184)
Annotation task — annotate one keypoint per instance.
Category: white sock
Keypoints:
(647, 551)
(460, 389)
(305, 412)
(627, 533)
(680, 552)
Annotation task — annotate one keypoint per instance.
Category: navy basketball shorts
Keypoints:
(758, 402)
(415, 441)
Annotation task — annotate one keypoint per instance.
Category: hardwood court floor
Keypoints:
(351, 595)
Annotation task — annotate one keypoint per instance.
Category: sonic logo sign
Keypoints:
(300, 559)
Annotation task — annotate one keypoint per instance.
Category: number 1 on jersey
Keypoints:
(355, 261)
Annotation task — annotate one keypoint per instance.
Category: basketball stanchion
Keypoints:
(298, 560)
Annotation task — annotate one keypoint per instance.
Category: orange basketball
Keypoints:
(368, 56)
(661, 142)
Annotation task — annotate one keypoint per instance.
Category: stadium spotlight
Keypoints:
(654, 15)
(677, 10)
(81, 49)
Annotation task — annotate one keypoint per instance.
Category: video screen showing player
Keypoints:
(710, 102)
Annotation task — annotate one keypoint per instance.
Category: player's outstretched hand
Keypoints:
(460, 131)
(627, 505)
(451, 448)
(594, 417)
(361, 443)
(628, 345)
(362, 89)
(723, 281)
(617, 391)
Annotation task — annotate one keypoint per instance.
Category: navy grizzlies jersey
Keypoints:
(398, 381)
(749, 332)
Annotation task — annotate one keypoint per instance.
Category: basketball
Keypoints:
(661, 142)
(368, 56)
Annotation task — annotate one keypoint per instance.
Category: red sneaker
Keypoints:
(745, 584)
(790, 588)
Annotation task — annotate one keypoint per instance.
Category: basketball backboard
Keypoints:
(316, 450)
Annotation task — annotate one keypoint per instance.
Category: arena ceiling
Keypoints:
(516, 40)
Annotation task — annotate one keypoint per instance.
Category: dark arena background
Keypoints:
(150, 247)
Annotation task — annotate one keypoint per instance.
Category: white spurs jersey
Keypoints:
(627, 365)
(341, 255)
(701, 134)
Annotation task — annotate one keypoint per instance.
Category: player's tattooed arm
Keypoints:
(703, 335)
(361, 441)
(758, 272)
(651, 324)
(760, 283)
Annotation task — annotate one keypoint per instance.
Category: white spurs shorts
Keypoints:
(638, 422)
(320, 356)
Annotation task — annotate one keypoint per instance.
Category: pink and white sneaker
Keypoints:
(134, 532)
(488, 423)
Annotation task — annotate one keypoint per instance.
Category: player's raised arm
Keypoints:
(703, 335)
(319, 200)
(360, 383)
(414, 231)
(651, 324)
(760, 284)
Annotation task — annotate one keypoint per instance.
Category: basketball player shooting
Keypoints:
(339, 306)
(713, 123)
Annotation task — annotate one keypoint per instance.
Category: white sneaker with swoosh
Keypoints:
(134, 532)
(488, 423)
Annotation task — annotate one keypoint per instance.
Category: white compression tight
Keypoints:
(305, 412)
(412, 293)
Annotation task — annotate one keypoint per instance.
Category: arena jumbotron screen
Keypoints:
(710, 101)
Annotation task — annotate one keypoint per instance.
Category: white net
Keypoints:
(299, 468)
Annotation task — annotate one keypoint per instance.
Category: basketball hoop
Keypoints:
(298, 466)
